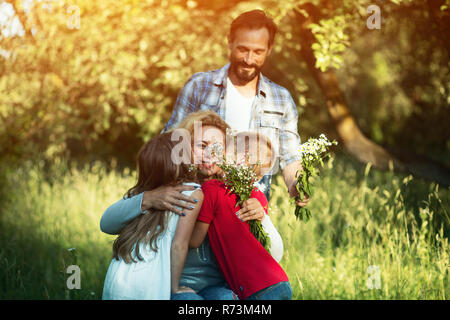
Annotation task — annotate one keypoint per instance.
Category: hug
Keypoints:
(181, 234)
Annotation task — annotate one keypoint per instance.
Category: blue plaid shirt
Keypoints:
(273, 114)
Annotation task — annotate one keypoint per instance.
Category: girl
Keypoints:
(249, 269)
(149, 254)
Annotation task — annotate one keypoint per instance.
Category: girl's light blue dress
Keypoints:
(148, 279)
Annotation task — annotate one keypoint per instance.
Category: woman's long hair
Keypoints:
(155, 168)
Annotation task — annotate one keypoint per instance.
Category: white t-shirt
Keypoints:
(238, 109)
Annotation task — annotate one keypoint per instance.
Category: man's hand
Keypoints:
(167, 197)
(294, 193)
(251, 210)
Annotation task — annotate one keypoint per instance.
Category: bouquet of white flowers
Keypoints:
(313, 152)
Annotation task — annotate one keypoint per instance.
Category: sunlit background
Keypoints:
(83, 84)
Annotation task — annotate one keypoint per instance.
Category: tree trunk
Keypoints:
(353, 139)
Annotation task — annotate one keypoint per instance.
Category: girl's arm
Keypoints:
(206, 215)
(181, 239)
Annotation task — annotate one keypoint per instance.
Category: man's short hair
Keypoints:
(254, 19)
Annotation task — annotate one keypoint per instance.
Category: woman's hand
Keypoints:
(167, 198)
(251, 209)
(183, 289)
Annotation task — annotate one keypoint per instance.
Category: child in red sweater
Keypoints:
(249, 269)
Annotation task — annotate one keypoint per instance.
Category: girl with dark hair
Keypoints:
(150, 251)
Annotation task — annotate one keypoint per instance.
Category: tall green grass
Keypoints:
(363, 220)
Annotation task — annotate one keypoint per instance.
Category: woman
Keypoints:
(150, 251)
(200, 271)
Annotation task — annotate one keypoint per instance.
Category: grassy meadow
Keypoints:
(373, 234)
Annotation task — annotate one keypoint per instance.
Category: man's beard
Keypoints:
(242, 74)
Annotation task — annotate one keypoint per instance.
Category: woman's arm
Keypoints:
(276, 243)
(181, 239)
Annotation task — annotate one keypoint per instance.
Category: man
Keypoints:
(246, 100)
